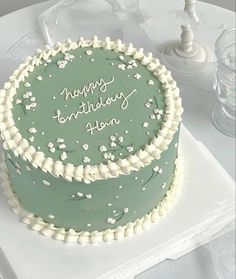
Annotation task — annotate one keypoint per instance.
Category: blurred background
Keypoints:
(7, 6)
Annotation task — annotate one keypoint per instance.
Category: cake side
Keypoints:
(73, 173)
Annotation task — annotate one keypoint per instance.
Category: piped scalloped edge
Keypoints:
(13, 140)
(84, 237)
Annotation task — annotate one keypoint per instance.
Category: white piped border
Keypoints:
(13, 140)
(84, 237)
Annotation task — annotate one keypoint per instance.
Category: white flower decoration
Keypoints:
(155, 169)
(157, 113)
(121, 67)
(68, 57)
(113, 144)
(137, 76)
(86, 159)
(133, 63)
(113, 138)
(151, 82)
(103, 148)
(63, 156)
(111, 220)
(120, 139)
(89, 52)
(130, 148)
(61, 64)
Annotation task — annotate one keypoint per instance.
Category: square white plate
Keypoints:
(205, 206)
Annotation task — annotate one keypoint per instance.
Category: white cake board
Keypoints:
(205, 206)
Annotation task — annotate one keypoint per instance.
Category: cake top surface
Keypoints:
(92, 105)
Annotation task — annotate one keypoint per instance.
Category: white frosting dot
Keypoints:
(86, 159)
(32, 130)
(137, 76)
(39, 78)
(45, 182)
(51, 216)
(88, 225)
(109, 204)
(126, 210)
(85, 146)
(143, 189)
(63, 156)
(151, 82)
(145, 124)
(163, 185)
(89, 52)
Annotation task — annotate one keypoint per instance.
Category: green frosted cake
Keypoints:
(90, 133)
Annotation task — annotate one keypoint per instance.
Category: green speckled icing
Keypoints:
(48, 81)
(55, 108)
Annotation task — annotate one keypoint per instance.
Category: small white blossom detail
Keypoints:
(103, 148)
(121, 67)
(113, 138)
(130, 148)
(80, 196)
(163, 186)
(151, 82)
(50, 145)
(63, 156)
(89, 52)
(157, 113)
(39, 78)
(62, 146)
(59, 140)
(68, 57)
(27, 84)
(126, 210)
(51, 216)
(85, 146)
(108, 156)
(32, 130)
(133, 63)
(113, 144)
(61, 64)
(45, 182)
(145, 124)
(111, 220)
(137, 76)
(86, 159)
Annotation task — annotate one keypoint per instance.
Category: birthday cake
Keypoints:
(90, 132)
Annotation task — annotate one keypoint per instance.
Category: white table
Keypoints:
(197, 102)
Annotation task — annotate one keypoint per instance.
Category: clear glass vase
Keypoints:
(223, 115)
